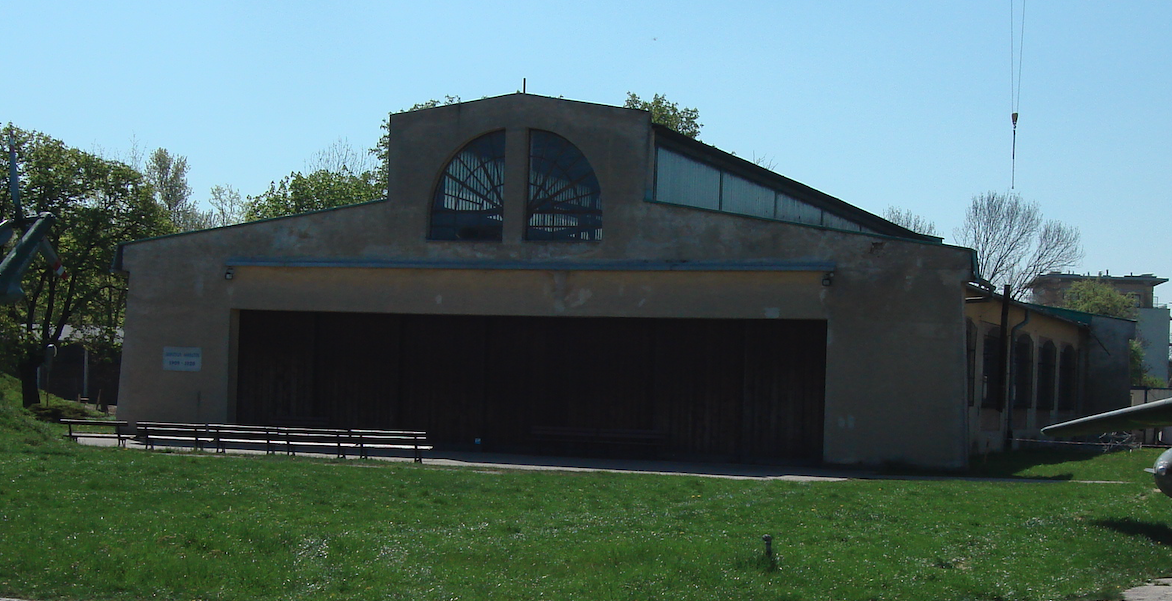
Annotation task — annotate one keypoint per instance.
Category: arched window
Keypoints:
(970, 345)
(991, 359)
(470, 193)
(1047, 373)
(564, 196)
(1067, 378)
(1023, 379)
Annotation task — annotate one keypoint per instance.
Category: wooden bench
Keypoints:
(280, 438)
(606, 436)
(117, 434)
(412, 440)
(285, 438)
(153, 432)
(224, 436)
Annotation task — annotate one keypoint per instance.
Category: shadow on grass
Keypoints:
(1009, 465)
(1157, 533)
(658, 466)
(998, 465)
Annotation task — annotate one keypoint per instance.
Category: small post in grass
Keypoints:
(768, 545)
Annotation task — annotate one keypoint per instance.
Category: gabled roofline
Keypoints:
(758, 174)
(116, 266)
(526, 94)
(1081, 318)
(746, 169)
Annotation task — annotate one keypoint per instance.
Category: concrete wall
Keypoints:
(988, 425)
(895, 310)
(1152, 331)
(1109, 362)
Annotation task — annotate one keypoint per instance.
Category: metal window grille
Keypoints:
(565, 200)
(470, 194)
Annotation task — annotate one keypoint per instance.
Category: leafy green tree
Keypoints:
(1096, 296)
(321, 189)
(1139, 372)
(98, 204)
(380, 151)
(167, 174)
(334, 177)
(1100, 298)
(667, 113)
(228, 208)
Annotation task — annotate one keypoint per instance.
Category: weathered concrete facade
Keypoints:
(1061, 364)
(1151, 316)
(893, 303)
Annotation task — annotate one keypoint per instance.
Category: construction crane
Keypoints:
(1015, 54)
(32, 233)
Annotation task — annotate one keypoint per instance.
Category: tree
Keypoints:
(1013, 243)
(337, 176)
(321, 189)
(379, 152)
(168, 176)
(910, 220)
(1100, 298)
(667, 113)
(342, 156)
(227, 207)
(98, 204)
(1139, 371)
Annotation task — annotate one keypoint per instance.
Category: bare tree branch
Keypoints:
(910, 220)
(341, 156)
(1013, 243)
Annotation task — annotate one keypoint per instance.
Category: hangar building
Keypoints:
(545, 266)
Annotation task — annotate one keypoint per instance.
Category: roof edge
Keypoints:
(753, 171)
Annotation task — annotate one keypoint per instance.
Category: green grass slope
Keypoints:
(94, 524)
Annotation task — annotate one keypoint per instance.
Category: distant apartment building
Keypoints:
(1152, 317)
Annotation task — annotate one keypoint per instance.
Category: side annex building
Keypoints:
(543, 264)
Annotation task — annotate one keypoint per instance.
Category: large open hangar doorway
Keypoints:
(739, 389)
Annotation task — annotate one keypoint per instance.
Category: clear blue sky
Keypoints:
(878, 103)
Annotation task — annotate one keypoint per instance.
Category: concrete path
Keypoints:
(1157, 590)
(503, 461)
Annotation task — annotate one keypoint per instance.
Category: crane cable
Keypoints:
(1015, 85)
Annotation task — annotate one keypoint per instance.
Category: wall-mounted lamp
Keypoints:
(229, 273)
(828, 278)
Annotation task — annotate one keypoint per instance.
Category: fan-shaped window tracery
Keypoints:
(469, 197)
(564, 196)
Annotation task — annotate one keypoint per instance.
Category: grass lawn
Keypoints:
(90, 523)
